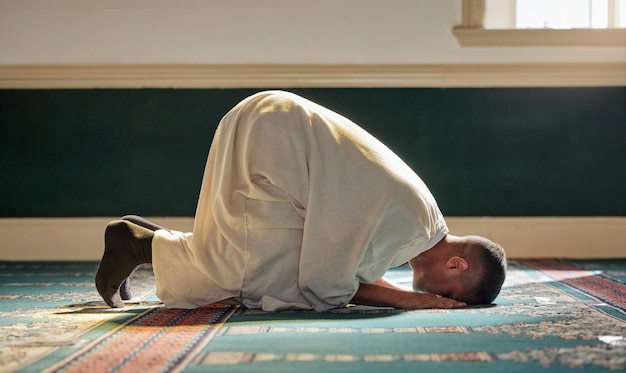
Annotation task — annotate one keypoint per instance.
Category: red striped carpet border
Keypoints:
(591, 283)
(157, 341)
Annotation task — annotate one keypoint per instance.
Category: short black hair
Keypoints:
(489, 259)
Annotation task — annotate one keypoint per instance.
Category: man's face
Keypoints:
(437, 281)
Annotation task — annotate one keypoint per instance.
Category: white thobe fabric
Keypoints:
(298, 205)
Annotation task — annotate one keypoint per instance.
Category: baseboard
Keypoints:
(550, 237)
(59, 239)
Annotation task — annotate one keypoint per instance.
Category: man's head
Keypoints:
(469, 269)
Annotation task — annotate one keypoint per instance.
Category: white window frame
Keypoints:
(471, 33)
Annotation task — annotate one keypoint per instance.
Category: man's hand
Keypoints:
(385, 296)
(421, 300)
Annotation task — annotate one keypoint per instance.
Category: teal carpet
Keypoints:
(552, 316)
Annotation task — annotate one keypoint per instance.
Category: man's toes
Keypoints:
(110, 293)
(115, 301)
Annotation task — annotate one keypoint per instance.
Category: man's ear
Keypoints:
(457, 263)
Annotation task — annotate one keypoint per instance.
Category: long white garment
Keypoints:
(297, 206)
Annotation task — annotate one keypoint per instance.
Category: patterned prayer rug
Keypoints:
(552, 316)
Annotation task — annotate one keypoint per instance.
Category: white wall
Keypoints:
(252, 32)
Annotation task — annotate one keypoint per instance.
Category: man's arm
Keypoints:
(386, 284)
(383, 294)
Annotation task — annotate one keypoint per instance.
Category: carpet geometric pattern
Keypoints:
(552, 316)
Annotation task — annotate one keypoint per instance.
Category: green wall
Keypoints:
(483, 152)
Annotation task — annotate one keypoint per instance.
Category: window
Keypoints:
(542, 23)
(554, 14)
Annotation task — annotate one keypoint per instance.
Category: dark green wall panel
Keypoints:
(483, 152)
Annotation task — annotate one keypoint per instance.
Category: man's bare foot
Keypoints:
(126, 246)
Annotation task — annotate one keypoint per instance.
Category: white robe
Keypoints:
(298, 205)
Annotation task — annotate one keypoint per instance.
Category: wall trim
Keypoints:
(291, 76)
(480, 37)
(56, 239)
